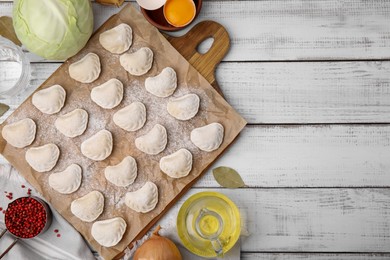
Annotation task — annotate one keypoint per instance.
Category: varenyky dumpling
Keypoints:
(162, 85)
(132, 117)
(118, 39)
(66, 181)
(144, 199)
(88, 207)
(209, 137)
(122, 174)
(137, 63)
(109, 232)
(43, 158)
(109, 94)
(49, 100)
(87, 69)
(21, 133)
(177, 164)
(73, 123)
(185, 107)
(98, 147)
(154, 142)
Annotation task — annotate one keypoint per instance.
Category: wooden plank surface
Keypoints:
(309, 156)
(310, 220)
(285, 92)
(308, 92)
(311, 256)
(293, 30)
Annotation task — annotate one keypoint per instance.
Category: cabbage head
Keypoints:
(53, 29)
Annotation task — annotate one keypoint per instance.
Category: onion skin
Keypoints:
(157, 248)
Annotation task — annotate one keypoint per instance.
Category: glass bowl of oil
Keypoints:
(208, 224)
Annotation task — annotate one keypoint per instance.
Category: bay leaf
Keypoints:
(7, 30)
(3, 108)
(228, 177)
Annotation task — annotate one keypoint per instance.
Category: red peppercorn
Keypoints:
(23, 186)
(55, 230)
(58, 235)
(25, 217)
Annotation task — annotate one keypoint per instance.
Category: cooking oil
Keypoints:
(208, 224)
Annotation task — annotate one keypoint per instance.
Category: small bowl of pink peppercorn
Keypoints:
(27, 217)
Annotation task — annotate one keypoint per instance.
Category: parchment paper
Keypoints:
(213, 108)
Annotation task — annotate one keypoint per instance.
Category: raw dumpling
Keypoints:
(178, 164)
(43, 158)
(137, 63)
(109, 232)
(87, 69)
(131, 117)
(67, 181)
(49, 100)
(98, 147)
(89, 207)
(154, 141)
(144, 199)
(185, 107)
(73, 123)
(122, 174)
(21, 133)
(118, 39)
(209, 137)
(162, 85)
(109, 94)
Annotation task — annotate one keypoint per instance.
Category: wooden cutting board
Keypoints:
(204, 63)
(214, 109)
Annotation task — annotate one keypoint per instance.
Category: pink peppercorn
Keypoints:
(25, 217)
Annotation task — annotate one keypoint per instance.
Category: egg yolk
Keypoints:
(179, 12)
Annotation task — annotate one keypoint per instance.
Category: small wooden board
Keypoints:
(204, 63)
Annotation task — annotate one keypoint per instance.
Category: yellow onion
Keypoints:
(157, 248)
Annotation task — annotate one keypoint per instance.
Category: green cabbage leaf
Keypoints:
(53, 29)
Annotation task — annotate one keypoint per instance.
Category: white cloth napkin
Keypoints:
(70, 245)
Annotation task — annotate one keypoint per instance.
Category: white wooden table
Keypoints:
(312, 78)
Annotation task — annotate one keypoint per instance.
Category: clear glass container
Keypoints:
(15, 69)
(208, 224)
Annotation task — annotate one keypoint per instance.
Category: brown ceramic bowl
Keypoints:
(157, 19)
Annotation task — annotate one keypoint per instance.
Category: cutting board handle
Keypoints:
(205, 63)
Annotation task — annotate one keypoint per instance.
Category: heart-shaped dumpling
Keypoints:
(67, 181)
(144, 199)
(162, 85)
(154, 142)
(21, 133)
(73, 123)
(87, 69)
(185, 107)
(43, 158)
(49, 100)
(109, 232)
(118, 39)
(209, 137)
(98, 147)
(109, 94)
(89, 207)
(177, 164)
(122, 174)
(131, 117)
(137, 63)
